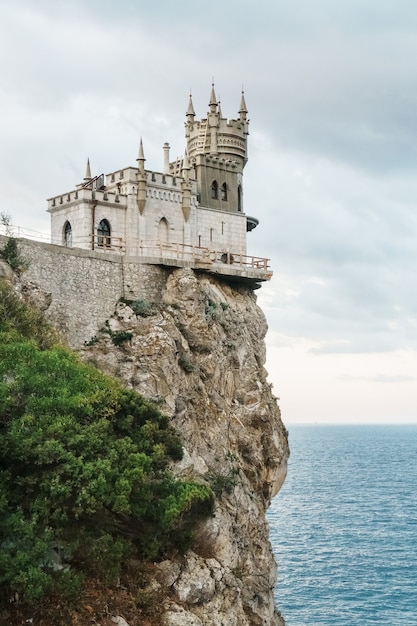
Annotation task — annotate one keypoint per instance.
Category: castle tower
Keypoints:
(217, 152)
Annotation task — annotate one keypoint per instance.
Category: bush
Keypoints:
(139, 307)
(118, 337)
(84, 463)
(17, 319)
(10, 253)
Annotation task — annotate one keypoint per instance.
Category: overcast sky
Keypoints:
(331, 89)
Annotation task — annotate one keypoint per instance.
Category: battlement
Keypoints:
(230, 140)
(76, 196)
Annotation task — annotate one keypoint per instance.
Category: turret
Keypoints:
(217, 150)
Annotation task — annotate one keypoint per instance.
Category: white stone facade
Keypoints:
(192, 212)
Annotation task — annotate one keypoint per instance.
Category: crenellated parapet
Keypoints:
(77, 196)
(217, 136)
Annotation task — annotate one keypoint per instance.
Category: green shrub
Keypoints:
(17, 319)
(83, 463)
(139, 307)
(118, 337)
(210, 309)
(10, 253)
(221, 482)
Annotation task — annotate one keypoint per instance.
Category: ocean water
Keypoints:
(344, 527)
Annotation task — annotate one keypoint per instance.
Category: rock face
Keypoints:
(198, 352)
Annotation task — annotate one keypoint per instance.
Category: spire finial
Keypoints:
(87, 171)
(220, 109)
(141, 159)
(190, 110)
(213, 100)
(141, 156)
(243, 109)
(185, 162)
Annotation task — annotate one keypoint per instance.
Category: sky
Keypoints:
(331, 89)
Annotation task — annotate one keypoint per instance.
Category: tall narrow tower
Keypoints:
(217, 151)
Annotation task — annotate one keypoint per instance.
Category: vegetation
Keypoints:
(85, 484)
(139, 307)
(211, 309)
(10, 252)
(118, 337)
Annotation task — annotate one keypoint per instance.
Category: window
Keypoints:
(239, 198)
(223, 192)
(163, 232)
(103, 234)
(214, 190)
(67, 235)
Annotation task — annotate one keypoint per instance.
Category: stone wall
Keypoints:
(84, 286)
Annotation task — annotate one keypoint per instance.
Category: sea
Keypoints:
(344, 527)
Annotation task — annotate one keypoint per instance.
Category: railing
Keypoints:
(197, 256)
(203, 255)
(106, 243)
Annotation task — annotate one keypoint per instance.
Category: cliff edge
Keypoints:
(198, 351)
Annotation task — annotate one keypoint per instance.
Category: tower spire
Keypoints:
(141, 158)
(87, 171)
(213, 100)
(190, 110)
(243, 109)
(219, 109)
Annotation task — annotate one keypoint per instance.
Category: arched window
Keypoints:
(103, 234)
(239, 198)
(223, 192)
(214, 190)
(163, 232)
(67, 234)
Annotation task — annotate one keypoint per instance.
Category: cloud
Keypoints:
(331, 91)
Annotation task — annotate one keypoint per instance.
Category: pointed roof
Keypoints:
(190, 110)
(87, 171)
(141, 156)
(185, 162)
(219, 109)
(243, 108)
(213, 100)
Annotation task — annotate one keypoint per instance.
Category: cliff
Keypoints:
(194, 345)
(199, 354)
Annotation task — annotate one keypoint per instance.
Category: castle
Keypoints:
(189, 215)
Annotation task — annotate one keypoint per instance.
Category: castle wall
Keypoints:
(221, 230)
(85, 285)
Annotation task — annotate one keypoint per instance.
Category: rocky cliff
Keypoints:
(198, 351)
(194, 345)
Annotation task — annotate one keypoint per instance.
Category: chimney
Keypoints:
(166, 158)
